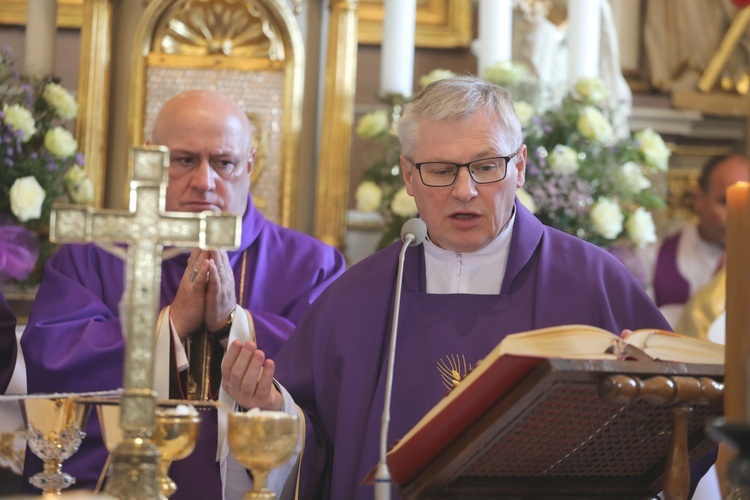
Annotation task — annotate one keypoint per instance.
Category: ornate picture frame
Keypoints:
(69, 13)
(440, 23)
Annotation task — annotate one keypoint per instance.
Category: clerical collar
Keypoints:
(479, 272)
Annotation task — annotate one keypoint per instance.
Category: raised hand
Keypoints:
(247, 376)
(220, 299)
(189, 305)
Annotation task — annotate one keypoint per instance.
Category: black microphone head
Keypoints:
(416, 228)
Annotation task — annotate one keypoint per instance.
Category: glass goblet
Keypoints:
(54, 431)
(262, 441)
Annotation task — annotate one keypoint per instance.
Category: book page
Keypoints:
(670, 346)
(568, 341)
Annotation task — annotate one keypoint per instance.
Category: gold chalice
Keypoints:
(175, 435)
(262, 441)
(54, 431)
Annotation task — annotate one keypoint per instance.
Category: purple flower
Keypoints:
(19, 251)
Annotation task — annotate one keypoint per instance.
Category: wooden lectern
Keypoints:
(580, 429)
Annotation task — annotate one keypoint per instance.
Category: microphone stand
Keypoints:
(383, 475)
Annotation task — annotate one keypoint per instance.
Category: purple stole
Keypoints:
(670, 287)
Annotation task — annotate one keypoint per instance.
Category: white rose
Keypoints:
(526, 200)
(60, 142)
(403, 204)
(504, 72)
(655, 152)
(368, 196)
(563, 160)
(525, 112)
(64, 103)
(26, 198)
(632, 178)
(373, 124)
(641, 228)
(20, 119)
(593, 126)
(79, 185)
(591, 89)
(435, 75)
(607, 218)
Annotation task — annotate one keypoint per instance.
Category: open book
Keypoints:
(590, 342)
(511, 364)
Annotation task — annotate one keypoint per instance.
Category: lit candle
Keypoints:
(39, 39)
(584, 26)
(737, 348)
(397, 50)
(495, 33)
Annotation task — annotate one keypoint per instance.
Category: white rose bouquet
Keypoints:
(39, 165)
(585, 180)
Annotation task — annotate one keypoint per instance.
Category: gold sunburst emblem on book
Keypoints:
(453, 369)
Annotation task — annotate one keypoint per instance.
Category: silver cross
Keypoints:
(146, 228)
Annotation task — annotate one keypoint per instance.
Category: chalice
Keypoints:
(262, 441)
(54, 431)
(175, 435)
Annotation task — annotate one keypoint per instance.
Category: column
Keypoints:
(332, 191)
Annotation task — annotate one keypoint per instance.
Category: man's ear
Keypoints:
(251, 161)
(407, 174)
(521, 166)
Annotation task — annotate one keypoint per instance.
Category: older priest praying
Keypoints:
(74, 342)
(487, 269)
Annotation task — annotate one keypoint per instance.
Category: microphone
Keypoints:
(413, 233)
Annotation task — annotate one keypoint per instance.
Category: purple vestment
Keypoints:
(670, 286)
(7, 344)
(74, 341)
(335, 363)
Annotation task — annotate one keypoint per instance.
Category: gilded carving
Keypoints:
(250, 50)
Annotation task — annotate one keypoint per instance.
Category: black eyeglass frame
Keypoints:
(507, 159)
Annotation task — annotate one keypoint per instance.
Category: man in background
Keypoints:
(689, 259)
(74, 341)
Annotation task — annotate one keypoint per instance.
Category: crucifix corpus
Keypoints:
(146, 228)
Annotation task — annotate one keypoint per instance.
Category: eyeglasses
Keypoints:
(444, 174)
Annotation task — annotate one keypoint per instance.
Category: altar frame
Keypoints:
(440, 23)
(69, 13)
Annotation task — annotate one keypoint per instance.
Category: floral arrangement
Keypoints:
(584, 179)
(39, 165)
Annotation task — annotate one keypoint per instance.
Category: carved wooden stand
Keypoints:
(680, 394)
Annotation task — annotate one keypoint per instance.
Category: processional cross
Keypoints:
(147, 227)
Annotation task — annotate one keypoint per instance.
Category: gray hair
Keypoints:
(458, 97)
